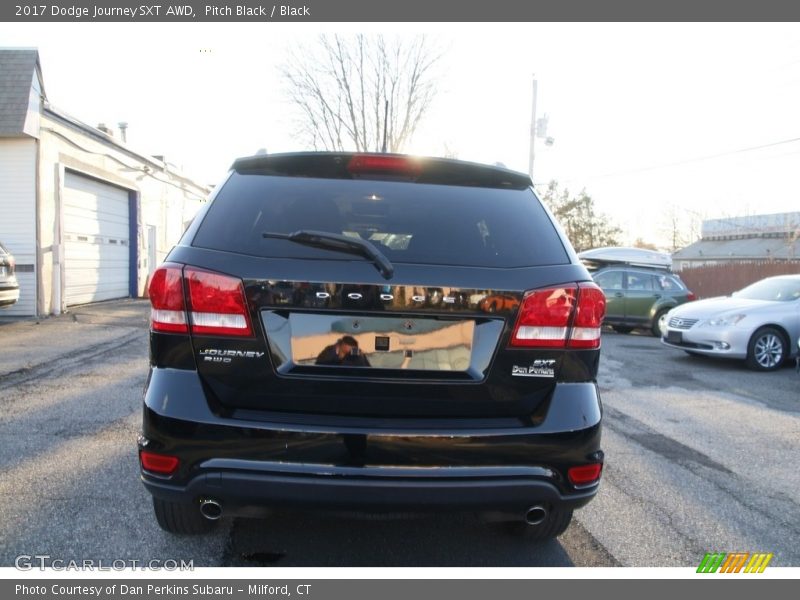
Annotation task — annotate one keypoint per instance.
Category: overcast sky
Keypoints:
(648, 118)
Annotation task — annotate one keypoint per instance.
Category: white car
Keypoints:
(9, 287)
(760, 324)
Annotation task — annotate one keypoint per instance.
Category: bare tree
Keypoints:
(642, 243)
(680, 226)
(363, 93)
(584, 226)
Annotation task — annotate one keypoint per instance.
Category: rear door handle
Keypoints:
(618, 295)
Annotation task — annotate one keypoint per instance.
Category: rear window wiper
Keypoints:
(342, 243)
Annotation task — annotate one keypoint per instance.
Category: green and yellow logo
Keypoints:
(734, 562)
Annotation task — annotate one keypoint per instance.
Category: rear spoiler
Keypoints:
(393, 167)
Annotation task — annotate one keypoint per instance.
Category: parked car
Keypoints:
(759, 324)
(417, 406)
(639, 286)
(9, 286)
(497, 302)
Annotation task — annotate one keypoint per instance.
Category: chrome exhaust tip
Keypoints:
(210, 509)
(535, 515)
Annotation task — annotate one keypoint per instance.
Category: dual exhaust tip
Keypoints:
(535, 515)
(212, 510)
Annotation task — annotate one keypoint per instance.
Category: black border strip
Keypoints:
(434, 11)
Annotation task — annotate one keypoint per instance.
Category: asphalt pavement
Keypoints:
(701, 456)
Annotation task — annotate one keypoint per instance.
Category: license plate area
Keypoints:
(675, 337)
(433, 348)
(414, 343)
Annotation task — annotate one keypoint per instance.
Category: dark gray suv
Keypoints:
(639, 297)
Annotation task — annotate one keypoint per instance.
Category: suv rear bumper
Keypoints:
(244, 493)
(326, 462)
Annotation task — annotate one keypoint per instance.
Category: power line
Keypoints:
(691, 160)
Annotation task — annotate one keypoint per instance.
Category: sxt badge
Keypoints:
(540, 368)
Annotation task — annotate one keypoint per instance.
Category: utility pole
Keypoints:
(531, 155)
(123, 131)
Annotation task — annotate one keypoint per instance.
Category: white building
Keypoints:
(86, 217)
(773, 237)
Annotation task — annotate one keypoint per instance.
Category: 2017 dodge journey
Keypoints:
(320, 340)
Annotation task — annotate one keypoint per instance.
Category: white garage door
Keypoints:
(96, 240)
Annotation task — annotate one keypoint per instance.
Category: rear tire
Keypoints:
(179, 518)
(767, 350)
(556, 523)
(659, 326)
(621, 329)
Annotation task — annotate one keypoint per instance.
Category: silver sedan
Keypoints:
(760, 324)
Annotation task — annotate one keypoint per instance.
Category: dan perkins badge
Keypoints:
(539, 368)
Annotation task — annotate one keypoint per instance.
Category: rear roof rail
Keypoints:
(394, 167)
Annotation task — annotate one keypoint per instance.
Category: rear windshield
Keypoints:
(412, 223)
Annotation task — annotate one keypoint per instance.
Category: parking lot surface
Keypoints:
(701, 456)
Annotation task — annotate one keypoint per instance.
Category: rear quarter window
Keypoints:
(669, 284)
(408, 222)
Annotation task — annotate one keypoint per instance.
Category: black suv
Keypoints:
(319, 339)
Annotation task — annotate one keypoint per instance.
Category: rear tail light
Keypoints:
(566, 316)
(216, 304)
(163, 464)
(585, 474)
(381, 164)
(691, 296)
(168, 312)
(544, 318)
(588, 317)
